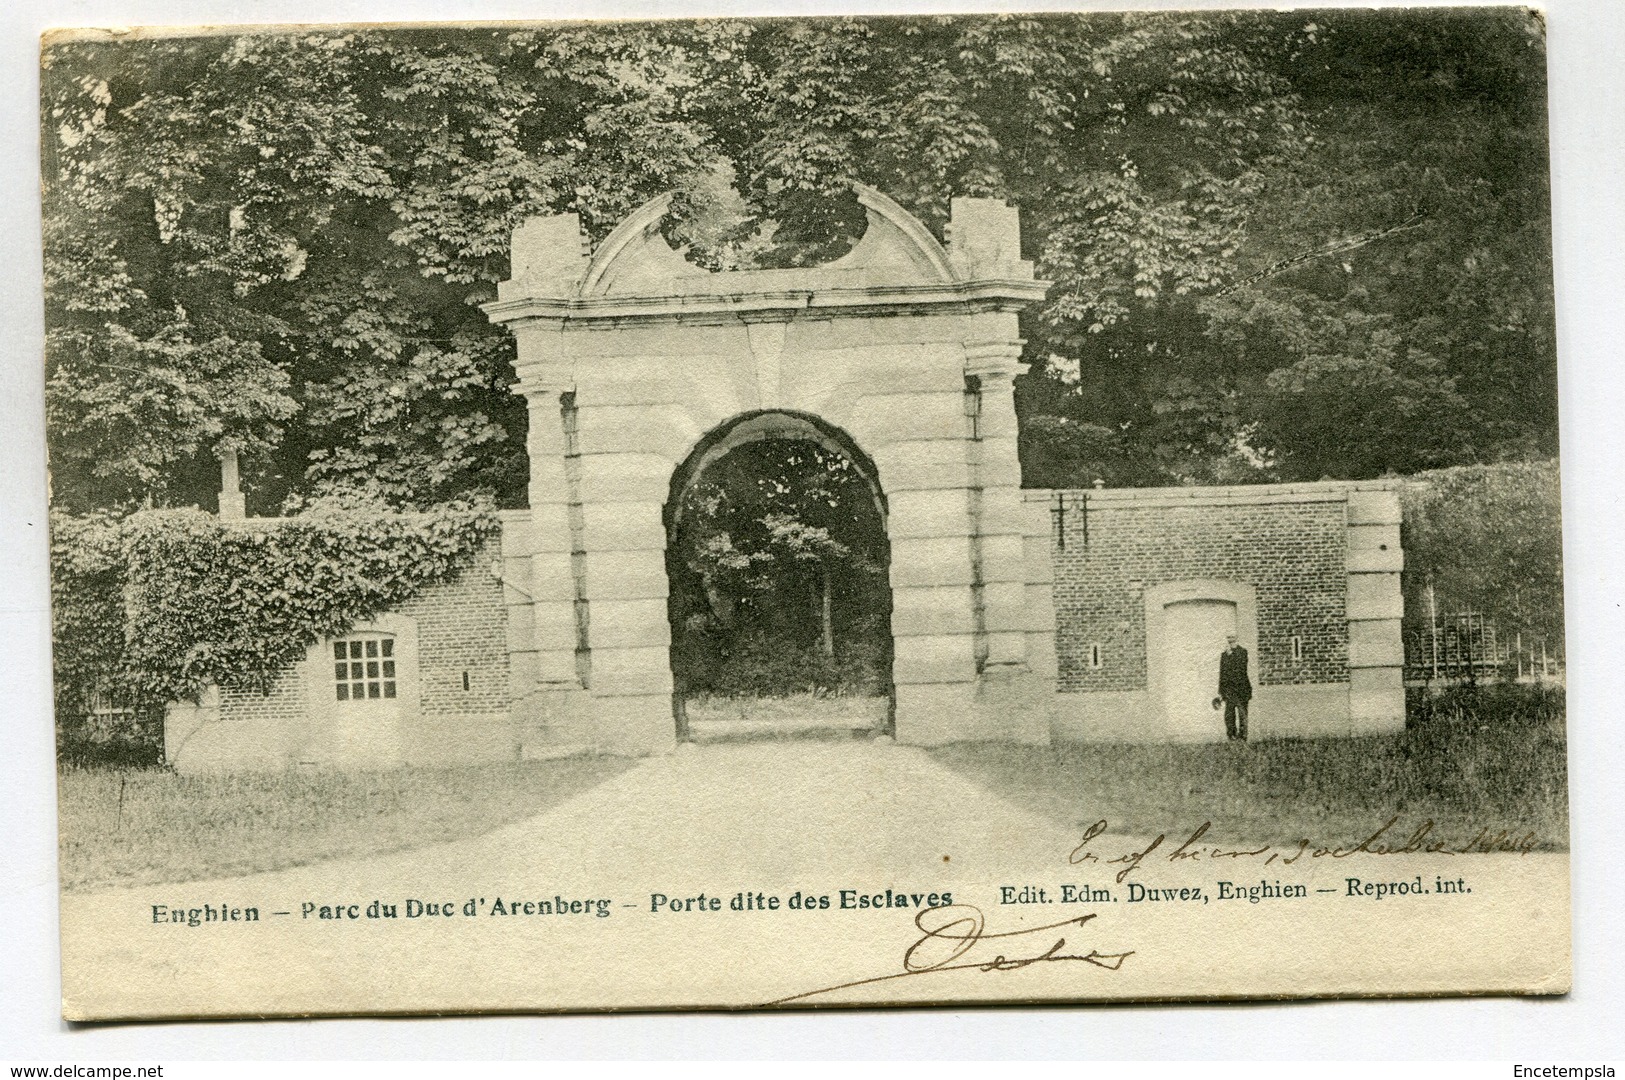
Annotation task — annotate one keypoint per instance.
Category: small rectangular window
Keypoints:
(1091, 654)
(1297, 649)
(359, 674)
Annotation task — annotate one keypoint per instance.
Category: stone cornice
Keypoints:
(989, 359)
(966, 297)
(1233, 494)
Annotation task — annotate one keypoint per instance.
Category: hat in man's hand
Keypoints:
(1218, 702)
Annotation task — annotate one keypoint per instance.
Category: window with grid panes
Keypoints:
(363, 668)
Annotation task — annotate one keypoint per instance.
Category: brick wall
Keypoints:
(462, 629)
(1290, 548)
(283, 703)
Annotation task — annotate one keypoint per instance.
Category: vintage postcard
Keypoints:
(789, 513)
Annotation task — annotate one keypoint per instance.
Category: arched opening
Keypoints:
(780, 599)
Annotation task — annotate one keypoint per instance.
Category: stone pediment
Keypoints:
(635, 260)
(634, 272)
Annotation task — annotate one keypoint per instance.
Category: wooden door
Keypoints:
(365, 688)
(1193, 637)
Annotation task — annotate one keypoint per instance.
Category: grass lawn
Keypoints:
(147, 826)
(1462, 773)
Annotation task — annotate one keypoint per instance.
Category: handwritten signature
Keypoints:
(1383, 841)
(951, 934)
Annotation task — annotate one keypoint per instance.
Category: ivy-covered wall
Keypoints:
(155, 607)
(453, 705)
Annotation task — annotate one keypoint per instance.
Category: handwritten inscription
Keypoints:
(955, 937)
(1385, 840)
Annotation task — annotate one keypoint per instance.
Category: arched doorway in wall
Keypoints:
(780, 599)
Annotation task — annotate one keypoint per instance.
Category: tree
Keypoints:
(1413, 213)
(125, 412)
(329, 206)
(1247, 217)
(778, 555)
(1488, 539)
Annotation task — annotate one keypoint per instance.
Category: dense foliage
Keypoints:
(778, 570)
(153, 607)
(1284, 245)
(87, 645)
(1488, 539)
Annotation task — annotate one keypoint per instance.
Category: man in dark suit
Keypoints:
(1235, 688)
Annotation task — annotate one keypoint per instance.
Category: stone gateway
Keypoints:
(1016, 614)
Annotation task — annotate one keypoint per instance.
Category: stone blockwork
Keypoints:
(638, 368)
(636, 365)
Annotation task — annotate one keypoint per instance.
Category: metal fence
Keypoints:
(1466, 647)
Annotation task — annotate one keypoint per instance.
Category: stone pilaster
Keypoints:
(232, 506)
(1375, 608)
(623, 545)
(998, 528)
(918, 442)
(548, 689)
(553, 574)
